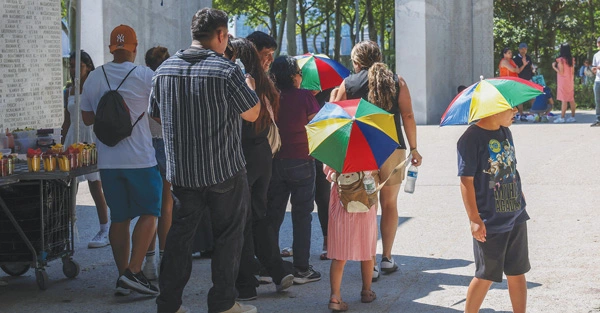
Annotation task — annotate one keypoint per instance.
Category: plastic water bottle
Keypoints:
(241, 65)
(369, 183)
(411, 179)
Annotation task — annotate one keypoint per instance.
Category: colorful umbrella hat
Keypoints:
(352, 136)
(319, 72)
(488, 97)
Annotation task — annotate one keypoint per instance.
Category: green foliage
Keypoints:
(584, 95)
(63, 8)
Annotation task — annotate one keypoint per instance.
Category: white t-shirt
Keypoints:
(135, 151)
(596, 62)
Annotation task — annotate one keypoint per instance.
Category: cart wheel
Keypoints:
(15, 269)
(41, 278)
(70, 268)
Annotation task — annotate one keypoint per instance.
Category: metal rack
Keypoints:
(36, 211)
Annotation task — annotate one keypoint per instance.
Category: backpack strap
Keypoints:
(124, 78)
(105, 77)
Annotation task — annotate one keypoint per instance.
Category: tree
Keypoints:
(291, 27)
(258, 12)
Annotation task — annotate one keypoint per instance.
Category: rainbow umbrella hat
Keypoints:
(352, 136)
(319, 72)
(488, 97)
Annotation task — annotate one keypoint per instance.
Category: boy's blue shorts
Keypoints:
(130, 193)
(506, 253)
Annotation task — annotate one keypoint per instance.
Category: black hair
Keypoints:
(155, 56)
(283, 70)
(262, 41)
(206, 21)
(85, 59)
(461, 88)
(565, 52)
(506, 49)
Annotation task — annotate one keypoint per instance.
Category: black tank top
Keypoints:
(357, 86)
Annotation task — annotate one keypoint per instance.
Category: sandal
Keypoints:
(323, 256)
(367, 296)
(287, 252)
(337, 305)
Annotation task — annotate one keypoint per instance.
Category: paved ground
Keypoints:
(561, 176)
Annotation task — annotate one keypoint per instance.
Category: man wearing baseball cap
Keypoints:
(130, 178)
(595, 69)
(526, 73)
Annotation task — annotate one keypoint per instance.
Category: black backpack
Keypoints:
(113, 122)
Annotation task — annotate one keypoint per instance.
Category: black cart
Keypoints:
(36, 224)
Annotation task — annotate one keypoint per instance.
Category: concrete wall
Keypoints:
(440, 45)
(167, 25)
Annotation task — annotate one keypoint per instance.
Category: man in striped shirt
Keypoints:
(202, 98)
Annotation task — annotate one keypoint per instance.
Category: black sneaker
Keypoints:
(138, 282)
(596, 124)
(303, 277)
(246, 294)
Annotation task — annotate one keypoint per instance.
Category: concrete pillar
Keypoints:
(440, 45)
(167, 25)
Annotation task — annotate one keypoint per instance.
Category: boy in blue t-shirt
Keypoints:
(491, 192)
(542, 105)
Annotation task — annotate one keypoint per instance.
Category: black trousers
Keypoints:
(322, 192)
(260, 235)
(228, 207)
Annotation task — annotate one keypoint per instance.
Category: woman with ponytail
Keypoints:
(375, 83)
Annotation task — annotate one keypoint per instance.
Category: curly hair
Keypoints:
(283, 70)
(265, 89)
(382, 86)
(365, 54)
(155, 56)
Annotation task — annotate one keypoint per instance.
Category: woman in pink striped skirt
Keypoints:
(350, 236)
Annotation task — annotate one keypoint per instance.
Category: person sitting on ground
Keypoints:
(542, 105)
(495, 206)
(266, 46)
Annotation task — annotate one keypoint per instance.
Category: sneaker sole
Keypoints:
(97, 245)
(389, 269)
(301, 281)
(286, 282)
(136, 287)
(122, 292)
(246, 299)
(375, 279)
(265, 280)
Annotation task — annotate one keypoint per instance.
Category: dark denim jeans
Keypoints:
(293, 178)
(227, 204)
(322, 192)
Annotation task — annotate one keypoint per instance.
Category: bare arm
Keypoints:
(467, 189)
(65, 125)
(408, 120)
(88, 117)
(339, 94)
(511, 68)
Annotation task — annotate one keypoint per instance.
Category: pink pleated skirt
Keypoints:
(350, 236)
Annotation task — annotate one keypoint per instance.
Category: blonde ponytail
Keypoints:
(382, 86)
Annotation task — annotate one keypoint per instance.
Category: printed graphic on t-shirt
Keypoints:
(502, 173)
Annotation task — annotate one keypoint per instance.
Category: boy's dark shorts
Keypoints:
(506, 253)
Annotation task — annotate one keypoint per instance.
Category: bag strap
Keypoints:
(105, 77)
(270, 109)
(396, 169)
(138, 119)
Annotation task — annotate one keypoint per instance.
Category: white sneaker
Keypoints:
(99, 241)
(388, 265)
(149, 269)
(559, 120)
(571, 120)
(375, 273)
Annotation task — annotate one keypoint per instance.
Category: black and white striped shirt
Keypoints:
(200, 96)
